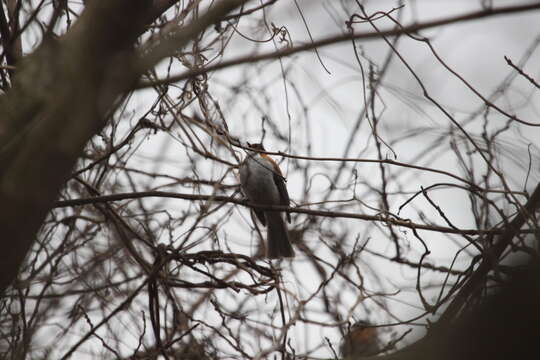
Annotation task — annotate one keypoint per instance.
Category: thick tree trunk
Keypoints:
(61, 97)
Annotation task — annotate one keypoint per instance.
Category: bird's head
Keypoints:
(256, 147)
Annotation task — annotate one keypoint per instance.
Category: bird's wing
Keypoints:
(279, 180)
(260, 216)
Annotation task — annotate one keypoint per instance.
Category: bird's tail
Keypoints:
(278, 238)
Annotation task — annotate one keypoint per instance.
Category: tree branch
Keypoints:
(62, 96)
(325, 213)
(335, 39)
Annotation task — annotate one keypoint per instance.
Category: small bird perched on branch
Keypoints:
(263, 184)
(362, 340)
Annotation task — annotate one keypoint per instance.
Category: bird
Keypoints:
(262, 182)
(362, 340)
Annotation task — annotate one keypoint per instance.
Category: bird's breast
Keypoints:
(257, 180)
